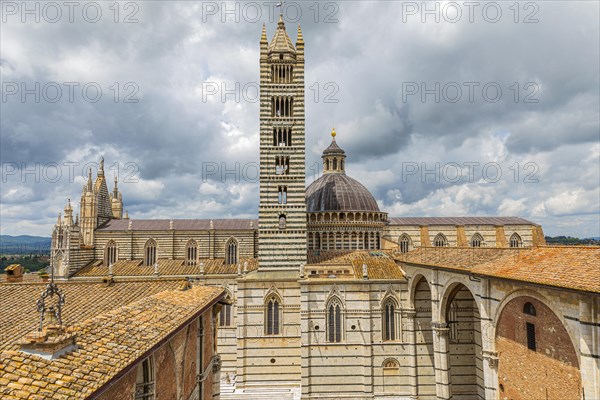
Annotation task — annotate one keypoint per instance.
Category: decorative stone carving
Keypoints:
(491, 357)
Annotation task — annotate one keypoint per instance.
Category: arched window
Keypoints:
(144, 383)
(272, 317)
(282, 221)
(334, 320)
(440, 240)
(110, 253)
(225, 315)
(191, 252)
(528, 308)
(231, 255)
(476, 240)
(389, 320)
(150, 253)
(515, 240)
(404, 243)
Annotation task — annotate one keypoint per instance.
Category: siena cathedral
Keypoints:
(331, 298)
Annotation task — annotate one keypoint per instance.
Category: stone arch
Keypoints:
(541, 298)
(459, 312)
(411, 288)
(447, 291)
(541, 339)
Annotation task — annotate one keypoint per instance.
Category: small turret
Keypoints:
(69, 213)
(116, 202)
(334, 158)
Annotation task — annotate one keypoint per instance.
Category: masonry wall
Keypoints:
(567, 332)
(267, 360)
(554, 357)
(173, 244)
(353, 367)
(176, 367)
(460, 235)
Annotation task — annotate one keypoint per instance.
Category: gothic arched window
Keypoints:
(231, 255)
(334, 320)
(476, 240)
(273, 316)
(191, 252)
(404, 243)
(440, 240)
(515, 240)
(150, 253)
(110, 253)
(389, 320)
(144, 383)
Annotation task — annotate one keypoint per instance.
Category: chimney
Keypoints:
(14, 273)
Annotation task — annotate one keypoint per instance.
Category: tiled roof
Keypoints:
(178, 224)
(380, 264)
(426, 221)
(572, 267)
(84, 300)
(165, 267)
(28, 277)
(455, 257)
(107, 344)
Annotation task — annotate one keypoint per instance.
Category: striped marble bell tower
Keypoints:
(282, 209)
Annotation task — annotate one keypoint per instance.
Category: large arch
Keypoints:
(425, 374)
(459, 310)
(529, 332)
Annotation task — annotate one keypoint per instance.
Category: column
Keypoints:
(442, 369)
(490, 374)
(408, 315)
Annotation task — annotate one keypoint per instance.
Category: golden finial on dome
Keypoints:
(333, 133)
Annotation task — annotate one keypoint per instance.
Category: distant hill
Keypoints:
(24, 244)
(568, 240)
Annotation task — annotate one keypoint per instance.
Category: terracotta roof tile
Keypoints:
(166, 267)
(380, 264)
(572, 267)
(84, 300)
(103, 348)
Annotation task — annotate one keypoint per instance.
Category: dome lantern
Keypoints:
(334, 158)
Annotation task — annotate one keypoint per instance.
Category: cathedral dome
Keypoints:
(339, 192)
(336, 191)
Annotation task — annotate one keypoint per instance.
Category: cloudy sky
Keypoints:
(489, 109)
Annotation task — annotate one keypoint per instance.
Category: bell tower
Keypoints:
(282, 208)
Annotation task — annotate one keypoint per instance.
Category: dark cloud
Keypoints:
(361, 60)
